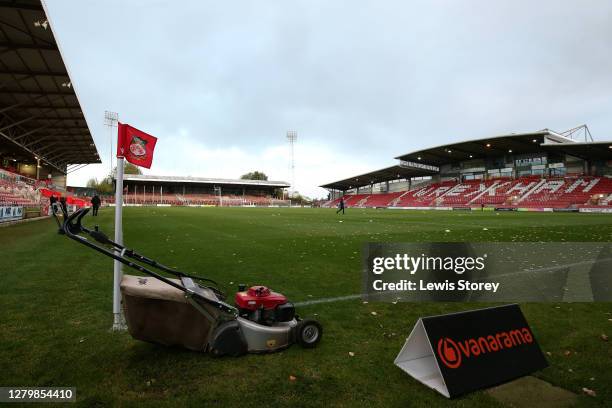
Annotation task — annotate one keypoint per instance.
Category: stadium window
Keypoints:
(559, 171)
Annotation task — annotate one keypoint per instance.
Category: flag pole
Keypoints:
(118, 318)
(138, 140)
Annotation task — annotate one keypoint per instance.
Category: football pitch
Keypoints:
(56, 302)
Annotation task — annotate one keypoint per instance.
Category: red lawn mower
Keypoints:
(189, 310)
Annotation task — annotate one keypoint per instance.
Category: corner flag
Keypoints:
(135, 145)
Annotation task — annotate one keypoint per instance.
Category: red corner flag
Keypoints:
(135, 145)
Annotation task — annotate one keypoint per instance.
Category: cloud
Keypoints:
(314, 164)
(361, 82)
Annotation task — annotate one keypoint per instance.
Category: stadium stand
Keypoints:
(197, 200)
(200, 191)
(522, 192)
(30, 197)
(536, 170)
(43, 132)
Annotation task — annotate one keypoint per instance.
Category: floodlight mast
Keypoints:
(111, 119)
(292, 138)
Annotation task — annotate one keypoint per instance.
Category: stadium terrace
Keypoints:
(201, 191)
(536, 171)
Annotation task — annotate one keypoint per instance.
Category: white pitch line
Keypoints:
(341, 298)
(327, 300)
(370, 295)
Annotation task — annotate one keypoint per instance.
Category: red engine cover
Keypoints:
(256, 296)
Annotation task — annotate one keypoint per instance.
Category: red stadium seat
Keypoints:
(527, 192)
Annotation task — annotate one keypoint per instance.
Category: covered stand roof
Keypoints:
(488, 147)
(426, 162)
(533, 142)
(377, 176)
(204, 180)
(40, 114)
(585, 150)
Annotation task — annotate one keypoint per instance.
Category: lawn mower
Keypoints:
(189, 310)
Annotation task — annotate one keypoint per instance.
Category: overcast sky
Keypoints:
(220, 83)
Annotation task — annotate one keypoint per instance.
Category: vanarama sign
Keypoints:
(462, 352)
(452, 353)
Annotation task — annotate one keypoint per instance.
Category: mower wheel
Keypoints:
(308, 333)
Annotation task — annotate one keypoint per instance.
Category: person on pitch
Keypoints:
(95, 203)
(341, 206)
(63, 204)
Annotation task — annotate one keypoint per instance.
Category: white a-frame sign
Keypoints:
(462, 352)
(417, 359)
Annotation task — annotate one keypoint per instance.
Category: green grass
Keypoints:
(55, 308)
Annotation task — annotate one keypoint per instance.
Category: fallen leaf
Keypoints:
(292, 378)
(604, 337)
(374, 313)
(589, 391)
(351, 354)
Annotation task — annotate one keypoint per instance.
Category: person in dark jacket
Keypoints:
(63, 204)
(341, 206)
(95, 203)
(52, 200)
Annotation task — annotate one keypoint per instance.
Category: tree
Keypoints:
(299, 199)
(128, 168)
(92, 183)
(102, 187)
(254, 175)
(106, 186)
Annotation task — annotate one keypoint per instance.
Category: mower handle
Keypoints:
(102, 238)
(72, 227)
